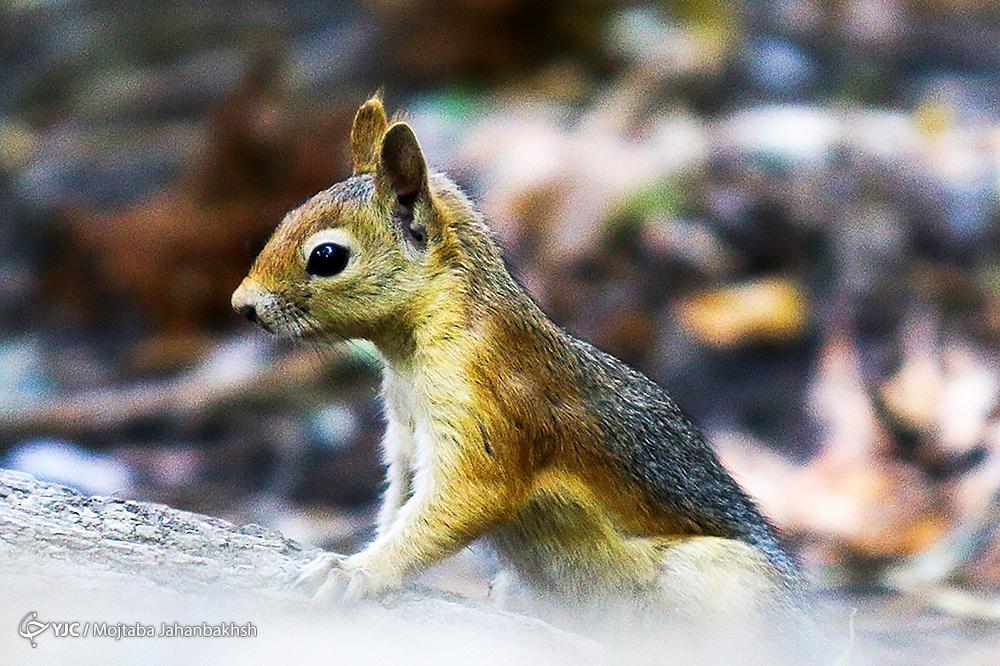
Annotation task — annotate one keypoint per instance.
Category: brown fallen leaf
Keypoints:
(771, 308)
(854, 495)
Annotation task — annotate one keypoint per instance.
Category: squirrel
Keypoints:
(582, 473)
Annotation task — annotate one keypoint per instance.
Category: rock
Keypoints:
(118, 566)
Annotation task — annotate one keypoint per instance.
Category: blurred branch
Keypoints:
(236, 370)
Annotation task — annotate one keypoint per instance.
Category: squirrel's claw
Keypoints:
(331, 580)
(314, 573)
(346, 586)
(343, 586)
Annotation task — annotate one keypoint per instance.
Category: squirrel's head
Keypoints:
(351, 260)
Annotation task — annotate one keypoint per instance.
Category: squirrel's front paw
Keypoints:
(314, 573)
(336, 578)
(347, 586)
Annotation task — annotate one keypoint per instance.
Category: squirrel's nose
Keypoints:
(248, 311)
(244, 302)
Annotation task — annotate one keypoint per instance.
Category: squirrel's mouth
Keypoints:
(284, 327)
(275, 313)
(290, 329)
(287, 320)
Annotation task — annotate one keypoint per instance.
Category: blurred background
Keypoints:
(784, 212)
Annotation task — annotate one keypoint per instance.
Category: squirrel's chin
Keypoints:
(283, 333)
(304, 335)
(289, 331)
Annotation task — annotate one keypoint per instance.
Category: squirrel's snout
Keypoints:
(245, 301)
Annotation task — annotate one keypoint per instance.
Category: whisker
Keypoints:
(339, 342)
(302, 327)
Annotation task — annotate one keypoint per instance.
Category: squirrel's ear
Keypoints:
(366, 135)
(402, 167)
(402, 176)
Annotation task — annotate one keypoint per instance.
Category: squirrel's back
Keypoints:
(662, 452)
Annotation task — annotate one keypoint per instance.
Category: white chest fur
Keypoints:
(406, 446)
(408, 428)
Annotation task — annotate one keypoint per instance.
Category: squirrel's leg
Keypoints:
(397, 447)
(397, 451)
(397, 490)
(738, 603)
(446, 511)
(714, 577)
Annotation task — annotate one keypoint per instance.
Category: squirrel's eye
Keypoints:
(327, 259)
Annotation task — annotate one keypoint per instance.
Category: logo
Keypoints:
(30, 627)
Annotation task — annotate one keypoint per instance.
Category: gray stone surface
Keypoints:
(151, 541)
(68, 557)
(43, 521)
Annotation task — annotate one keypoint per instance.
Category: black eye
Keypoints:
(327, 259)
